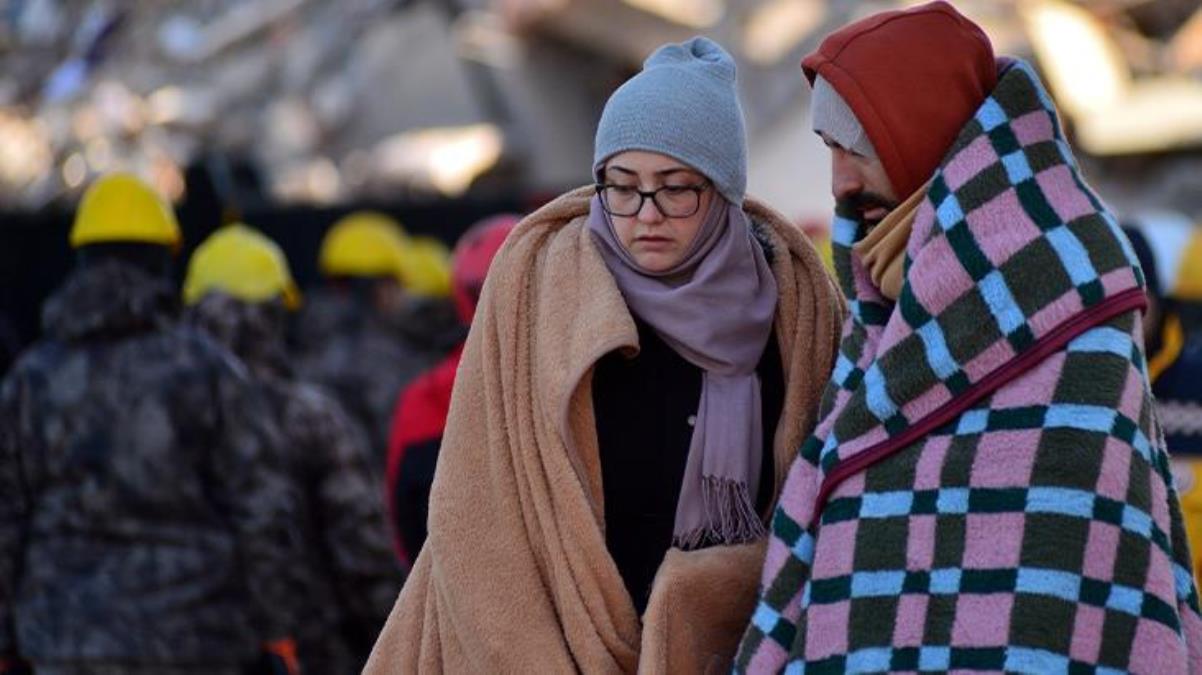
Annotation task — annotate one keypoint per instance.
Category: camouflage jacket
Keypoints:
(145, 518)
(366, 359)
(349, 576)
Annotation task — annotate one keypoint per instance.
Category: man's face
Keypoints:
(860, 184)
(388, 296)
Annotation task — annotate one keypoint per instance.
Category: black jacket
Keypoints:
(145, 518)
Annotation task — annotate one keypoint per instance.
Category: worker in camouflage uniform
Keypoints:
(239, 288)
(383, 317)
(144, 519)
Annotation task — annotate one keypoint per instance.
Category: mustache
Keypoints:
(854, 206)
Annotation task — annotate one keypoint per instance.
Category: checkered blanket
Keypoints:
(988, 489)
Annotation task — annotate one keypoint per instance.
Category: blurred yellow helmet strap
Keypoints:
(1172, 341)
(1188, 285)
(120, 207)
(242, 263)
(363, 244)
(427, 269)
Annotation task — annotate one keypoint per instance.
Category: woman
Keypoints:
(646, 358)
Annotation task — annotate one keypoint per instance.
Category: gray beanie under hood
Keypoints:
(832, 116)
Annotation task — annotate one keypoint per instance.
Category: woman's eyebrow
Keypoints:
(675, 170)
(621, 169)
(662, 173)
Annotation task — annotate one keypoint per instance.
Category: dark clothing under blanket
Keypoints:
(645, 409)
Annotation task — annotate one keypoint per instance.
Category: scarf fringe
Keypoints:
(730, 516)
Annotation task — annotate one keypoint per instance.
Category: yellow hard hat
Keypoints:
(363, 244)
(244, 263)
(119, 207)
(427, 267)
(1188, 284)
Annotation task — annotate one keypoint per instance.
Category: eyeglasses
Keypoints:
(674, 201)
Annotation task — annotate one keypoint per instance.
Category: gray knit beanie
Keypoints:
(831, 115)
(683, 104)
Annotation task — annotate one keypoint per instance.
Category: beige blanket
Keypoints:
(515, 576)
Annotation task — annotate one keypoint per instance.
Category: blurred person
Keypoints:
(146, 518)
(1170, 252)
(988, 489)
(239, 289)
(421, 410)
(1174, 250)
(1153, 323)
(646, 357)
(429, 320)
(377, 322)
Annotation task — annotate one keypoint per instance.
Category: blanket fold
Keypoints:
(515, 575)
(988, 488)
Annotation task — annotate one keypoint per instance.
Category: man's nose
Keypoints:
(846, 178)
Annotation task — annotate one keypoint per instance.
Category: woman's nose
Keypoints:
(649, 212)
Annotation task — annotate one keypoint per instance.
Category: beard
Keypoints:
(857, 205)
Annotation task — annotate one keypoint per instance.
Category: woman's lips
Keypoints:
(653, 242)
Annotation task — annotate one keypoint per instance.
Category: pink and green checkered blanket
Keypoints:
(988, 489)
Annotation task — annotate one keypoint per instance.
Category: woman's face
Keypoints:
(656, 241)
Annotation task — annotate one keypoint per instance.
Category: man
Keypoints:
(421, 410)
(378, 322)
(239, 289)
(145, 519)
(988, 489)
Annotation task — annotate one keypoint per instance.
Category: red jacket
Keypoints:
(418, 421)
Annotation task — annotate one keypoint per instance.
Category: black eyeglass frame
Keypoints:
(697, 189)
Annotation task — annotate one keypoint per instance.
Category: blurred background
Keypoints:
(289, 113)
